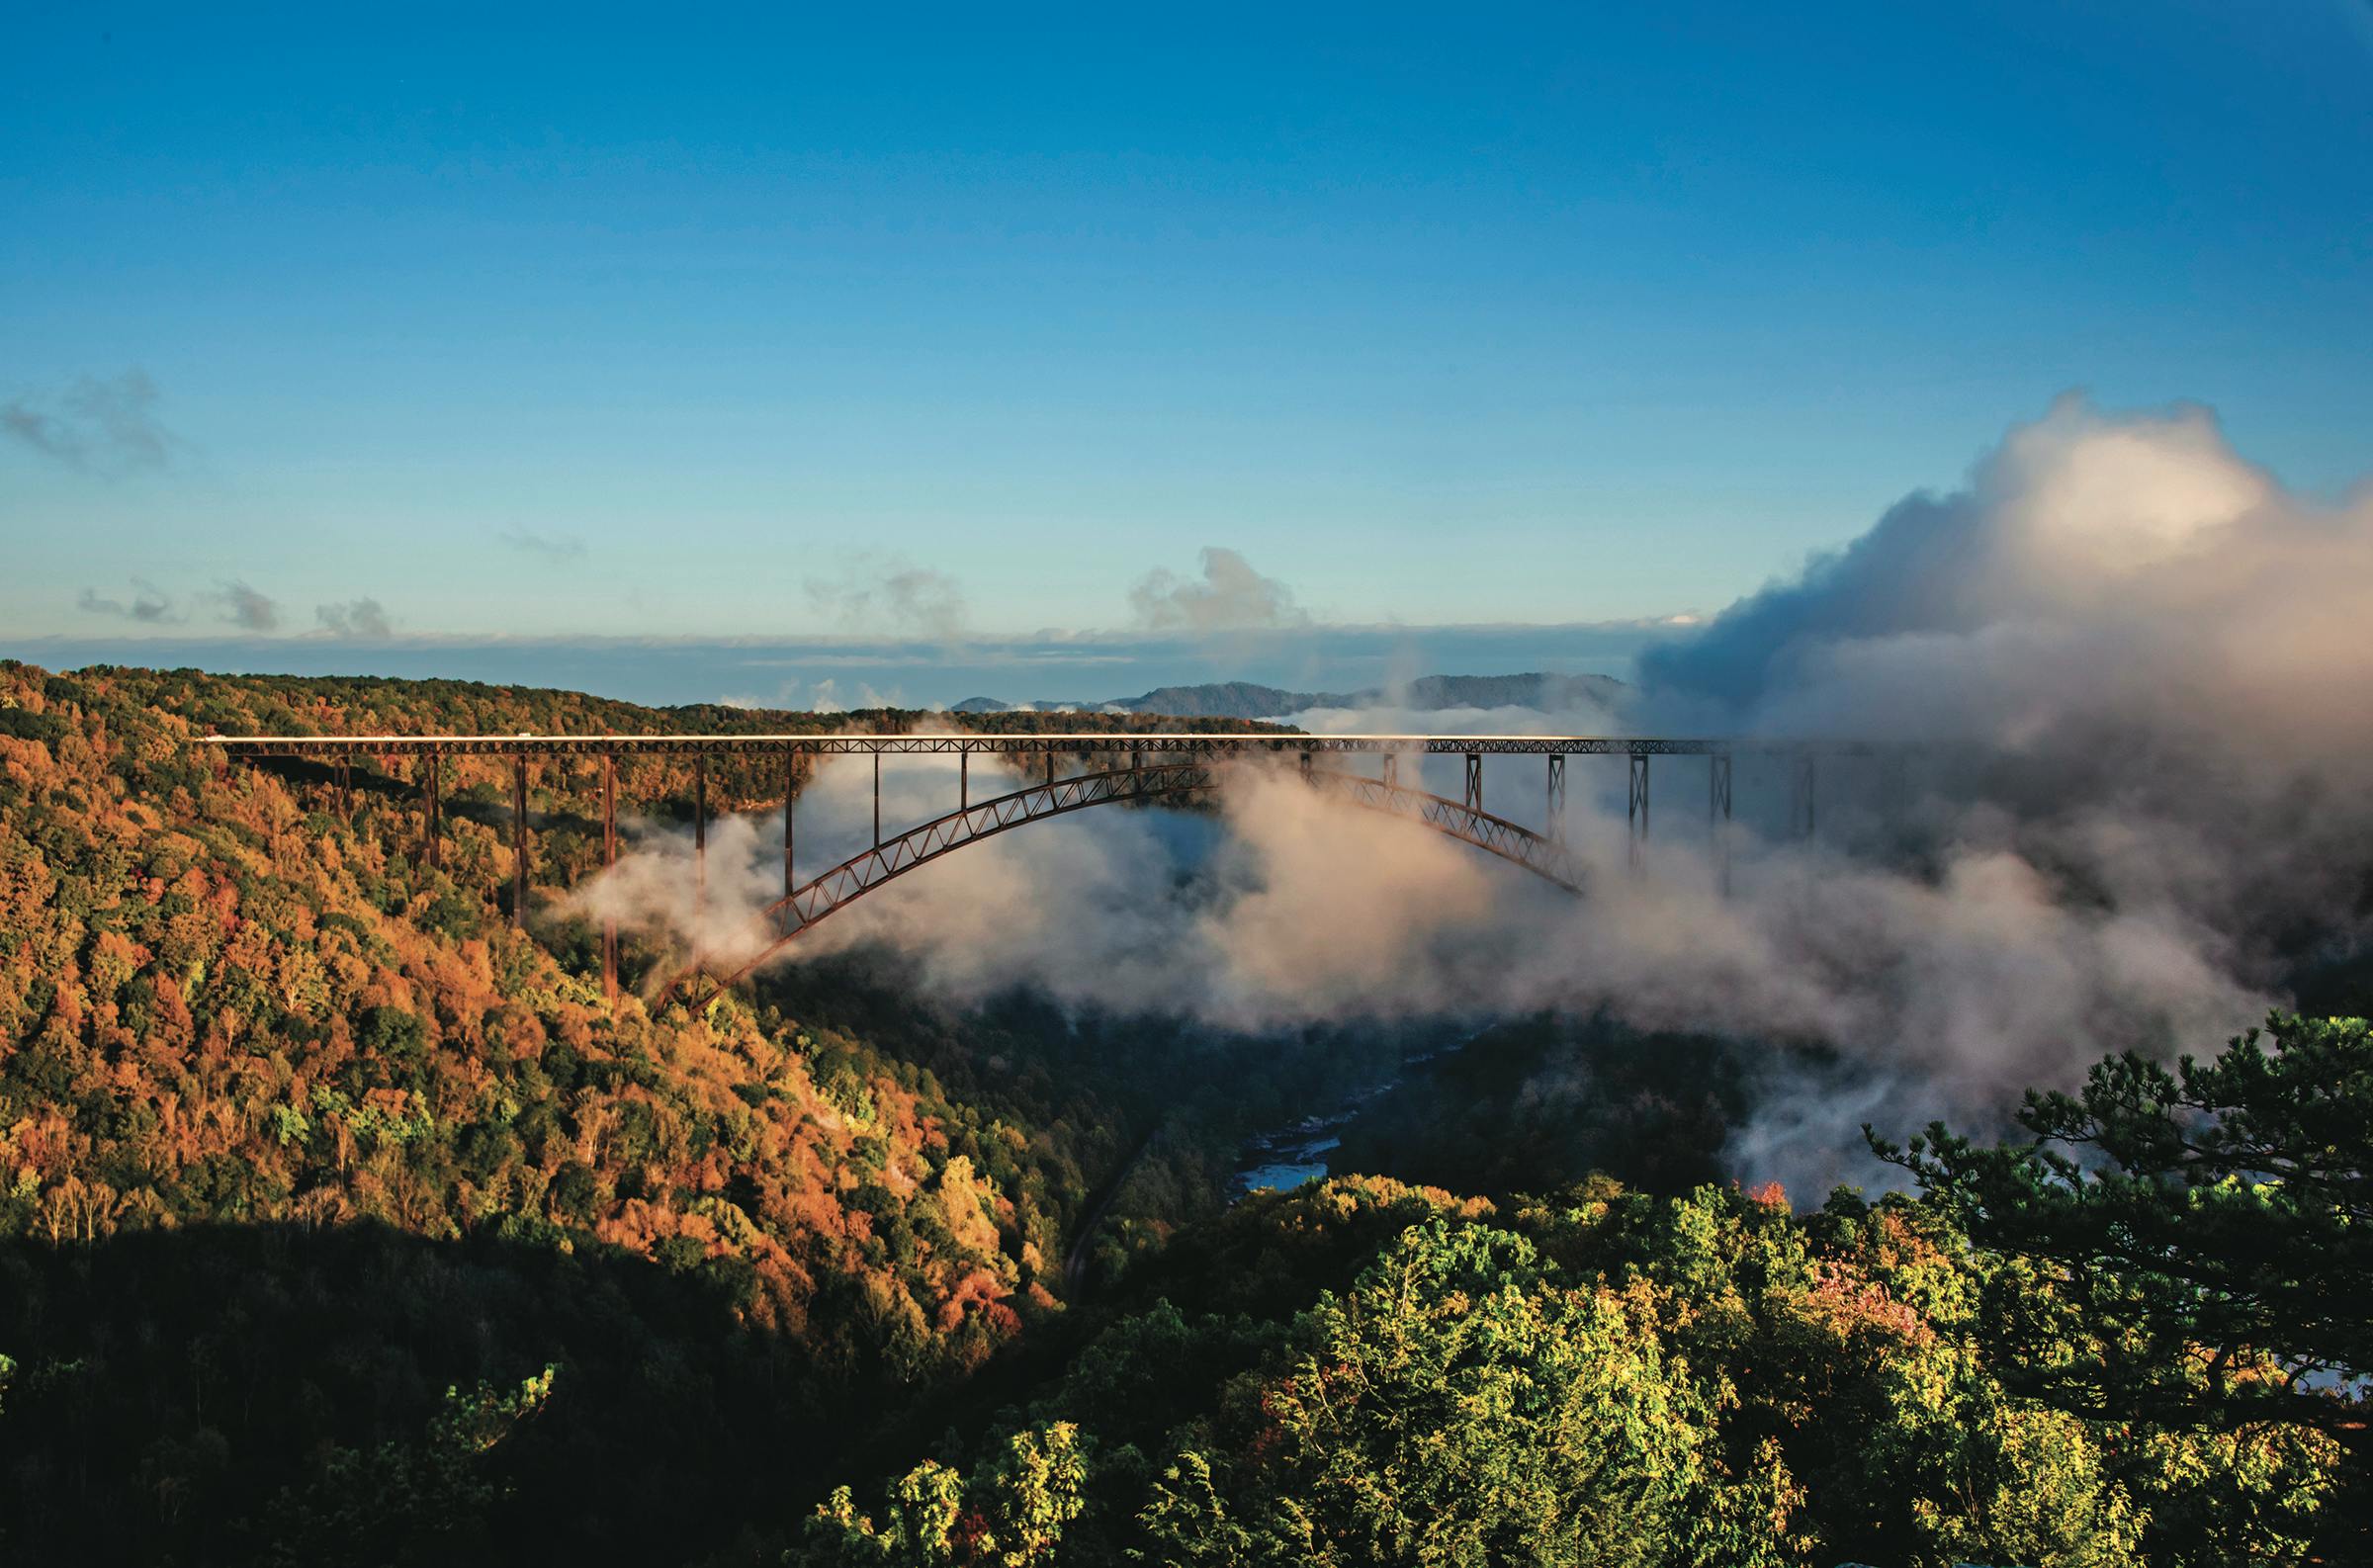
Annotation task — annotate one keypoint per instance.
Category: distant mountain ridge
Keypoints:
(1242, 699)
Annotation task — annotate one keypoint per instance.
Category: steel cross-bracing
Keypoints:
(804, 906)
(1639, 811)
(1718, 812)
(1546, 856)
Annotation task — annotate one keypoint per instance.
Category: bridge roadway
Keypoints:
(976, 744)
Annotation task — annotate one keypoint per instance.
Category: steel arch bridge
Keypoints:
(1159, 765)
(834, 890)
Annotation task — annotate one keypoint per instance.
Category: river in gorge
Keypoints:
(1284, 1158)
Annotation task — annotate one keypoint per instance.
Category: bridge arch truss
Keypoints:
(1163, 779)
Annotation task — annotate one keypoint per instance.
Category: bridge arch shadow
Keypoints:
(817, 900)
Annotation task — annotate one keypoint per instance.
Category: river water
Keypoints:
(1284, 1158)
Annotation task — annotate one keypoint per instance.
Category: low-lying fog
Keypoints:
(2122, 675)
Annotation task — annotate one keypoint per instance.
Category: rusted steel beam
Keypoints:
(1496, 835)
(1639, 808)
(790, 792)
(432, 809)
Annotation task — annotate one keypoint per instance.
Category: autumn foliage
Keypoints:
(343, 1221)
(223, 1003)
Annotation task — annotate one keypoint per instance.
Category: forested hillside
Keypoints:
(343, 1222)
(1365, 1372)
(269, 1084)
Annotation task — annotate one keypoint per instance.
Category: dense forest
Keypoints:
(343, 1221)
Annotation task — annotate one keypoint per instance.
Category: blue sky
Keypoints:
(858, 324)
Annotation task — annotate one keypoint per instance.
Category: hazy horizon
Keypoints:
(859, 673)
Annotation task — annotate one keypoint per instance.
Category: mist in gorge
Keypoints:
(2108, 694)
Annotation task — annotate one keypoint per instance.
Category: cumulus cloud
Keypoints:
(363, 620)
(148, 604)
(1228, 596)
(97, 424)
(2137, 666)
(244, 607)
(885, 593)
(2079, 526)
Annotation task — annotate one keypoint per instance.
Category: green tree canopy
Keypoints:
(2202, 1237)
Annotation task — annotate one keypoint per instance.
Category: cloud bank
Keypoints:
(2135, 669)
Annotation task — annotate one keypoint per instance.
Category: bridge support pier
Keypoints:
(1801, 797)
(1474, 781)
(700, 832)
(431, 814)
(1392, 770)
(1557, 801)
(1718, 812)
(609, 861)
(344, 788)
(877, 800)
(519, 841)
(1639, 808)
(790, 791)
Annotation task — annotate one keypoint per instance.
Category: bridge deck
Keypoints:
(1011, 745)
